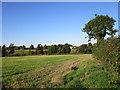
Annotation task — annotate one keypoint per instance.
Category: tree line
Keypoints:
(44, 50)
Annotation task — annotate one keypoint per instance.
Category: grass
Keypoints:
(15, 68)
(12, 65)
(74, 51)
(42, 71)
(90, 74)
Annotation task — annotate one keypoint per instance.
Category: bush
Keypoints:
(52, 50)
(109, 52)
(85, 49)
(31, 52)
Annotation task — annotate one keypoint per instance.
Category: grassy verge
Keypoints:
(90, 74)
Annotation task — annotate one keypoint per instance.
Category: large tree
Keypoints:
(99, 27)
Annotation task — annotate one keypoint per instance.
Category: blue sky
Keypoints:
(26, 23)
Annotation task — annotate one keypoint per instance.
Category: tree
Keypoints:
(39, 49)
(11, 49)
(89, 49)
(22, 48)
(4, 52)
(83, 48)
(16, 48)
(99, 27)
(45, 47)
(66, 48)
(31, 47)
(60, 46)
(31, 52)
(89, 44)
(0, 51)
(52, 50)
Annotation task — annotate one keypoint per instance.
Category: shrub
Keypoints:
(85, 48)
(109, 52)
(52, 50)
(31, 52)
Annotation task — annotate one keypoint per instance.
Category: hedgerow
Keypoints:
(108, 51)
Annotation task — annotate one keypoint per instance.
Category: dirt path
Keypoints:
(53, 74)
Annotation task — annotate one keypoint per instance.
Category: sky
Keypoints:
(26, 23)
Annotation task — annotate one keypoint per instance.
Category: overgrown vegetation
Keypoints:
(109, 52)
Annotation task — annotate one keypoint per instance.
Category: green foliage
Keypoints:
(31, 47)
(90, 74)
(59, 49)
(21, 52)
(53, 49)
(99, 27)
(22, 47)
(45, 47)
(37, 71)
(39, 49)
(60, 46)
(66, 48)
(31, 52)
(85, 48)
(89, 49)
(74, 51)
(0, 51)
(4, 52)
(11, 49)
(109, 52)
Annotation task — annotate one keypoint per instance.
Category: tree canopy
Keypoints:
(39, 49)
(11, 49)
(66, 48)
(31, 47)
(99, 27)
(4, 52)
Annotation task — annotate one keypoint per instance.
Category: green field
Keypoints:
(56, 71)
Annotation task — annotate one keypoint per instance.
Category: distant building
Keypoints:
(73, 47)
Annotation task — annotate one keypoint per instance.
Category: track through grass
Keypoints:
(55, 71)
